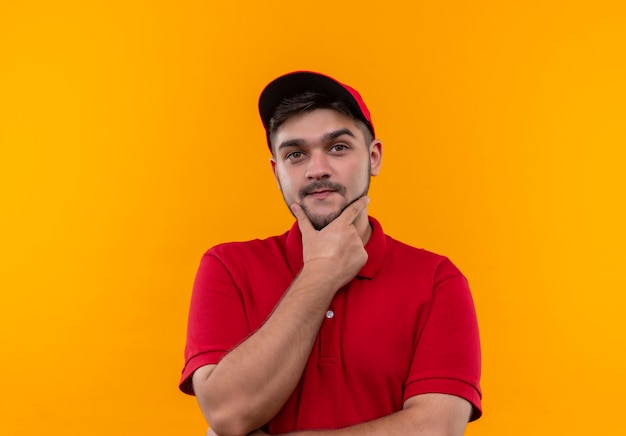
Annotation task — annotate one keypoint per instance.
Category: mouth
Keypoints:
(321, 194)
(321, 190)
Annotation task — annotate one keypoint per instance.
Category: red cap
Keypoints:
(297, 82)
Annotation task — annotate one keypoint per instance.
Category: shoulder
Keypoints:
(240, 251)
(413, 257)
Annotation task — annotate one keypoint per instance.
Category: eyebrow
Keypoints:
(325, 138)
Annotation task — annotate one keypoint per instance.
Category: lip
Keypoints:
(322, 194)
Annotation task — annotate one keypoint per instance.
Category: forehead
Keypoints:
(313, 125)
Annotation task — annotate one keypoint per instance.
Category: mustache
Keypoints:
(322, 185)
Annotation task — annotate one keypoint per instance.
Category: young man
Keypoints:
(332, 327)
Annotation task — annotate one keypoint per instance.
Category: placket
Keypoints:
(330, 331)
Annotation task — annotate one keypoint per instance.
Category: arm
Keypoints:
(422, 415)
(253, 381)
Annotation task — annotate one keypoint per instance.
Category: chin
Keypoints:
(321, 220)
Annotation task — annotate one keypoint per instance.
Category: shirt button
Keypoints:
(330, 314)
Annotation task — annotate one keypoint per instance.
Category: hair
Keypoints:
(309, 101)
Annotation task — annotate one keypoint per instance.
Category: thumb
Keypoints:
(303, 220)
(350, 214)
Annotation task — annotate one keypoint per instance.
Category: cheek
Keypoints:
(360, 174)
(284, 181)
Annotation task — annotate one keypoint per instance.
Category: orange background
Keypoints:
(130, 144)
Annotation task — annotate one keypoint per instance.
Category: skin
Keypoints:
(322, 166)
(321, 162)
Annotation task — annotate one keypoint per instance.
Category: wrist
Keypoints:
(321, 278)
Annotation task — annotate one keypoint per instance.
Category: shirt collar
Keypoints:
(375, 248)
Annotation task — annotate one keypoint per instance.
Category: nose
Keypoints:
(318, 166)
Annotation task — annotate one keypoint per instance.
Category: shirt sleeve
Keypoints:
(217, 321)
(447, 352)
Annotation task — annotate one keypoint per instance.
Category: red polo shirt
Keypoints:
(406, 325)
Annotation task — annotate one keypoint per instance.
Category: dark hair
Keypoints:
(309, 101)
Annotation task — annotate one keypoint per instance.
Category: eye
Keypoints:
(294, 155)
(339, 147)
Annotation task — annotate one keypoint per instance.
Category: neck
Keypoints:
(363, 226)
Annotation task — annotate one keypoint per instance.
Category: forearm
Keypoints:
(423, 415)
(400, 424)
(252, 382)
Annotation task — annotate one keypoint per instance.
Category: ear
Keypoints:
(376, 156)
(273, 165)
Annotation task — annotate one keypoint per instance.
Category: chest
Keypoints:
(370, 328)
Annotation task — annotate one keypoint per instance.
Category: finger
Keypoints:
(303, 220)
(349, 215)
